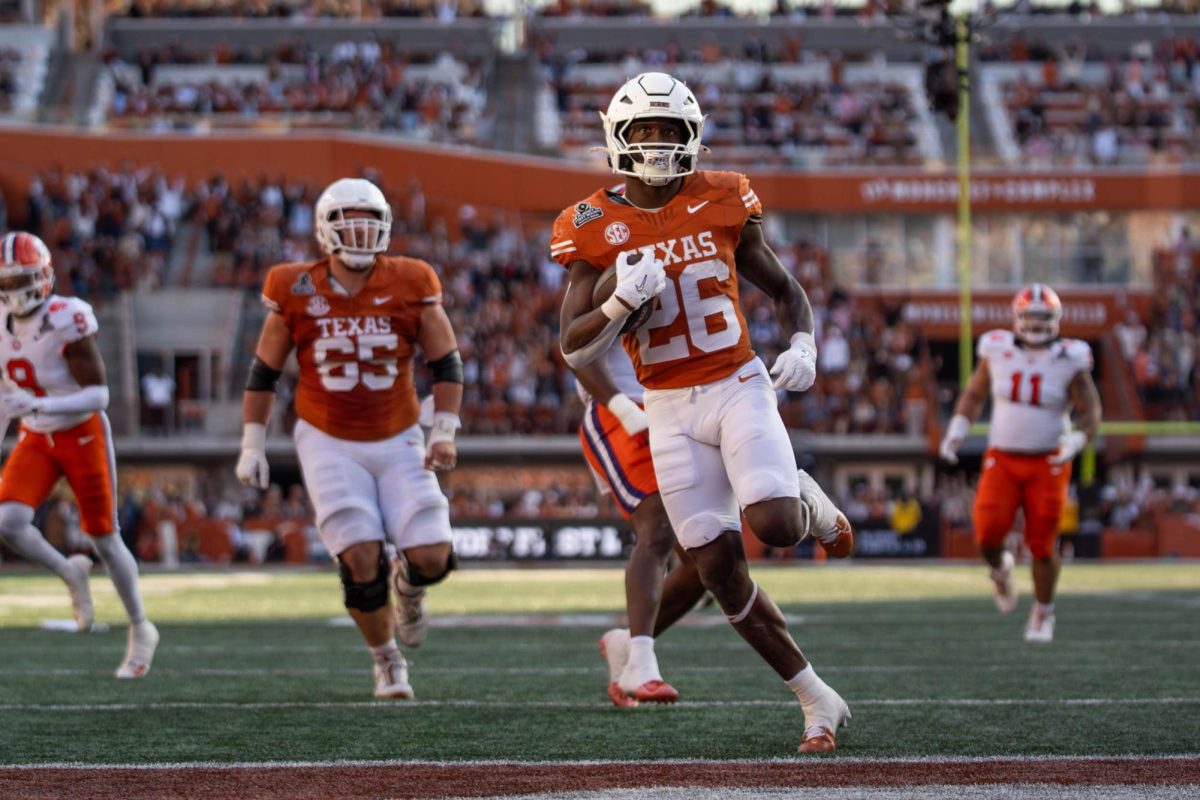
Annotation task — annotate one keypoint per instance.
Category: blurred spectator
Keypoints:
(158, 399)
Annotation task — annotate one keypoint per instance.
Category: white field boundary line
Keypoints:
(250, 765)
(564, 705)
(885, 669)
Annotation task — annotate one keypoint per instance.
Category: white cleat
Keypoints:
(826, 523)
(391, 677)
(1040, 627)
(822, 720)
(409, 616)
(1005, 595)
(139, 653)
(81, 593)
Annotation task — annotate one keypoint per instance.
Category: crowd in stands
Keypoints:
(766, 106)
(364, 85)
(10, 60)
(302, 9)
(1163, 350)
(1085, 109)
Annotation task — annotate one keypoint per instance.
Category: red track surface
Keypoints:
(479, 780)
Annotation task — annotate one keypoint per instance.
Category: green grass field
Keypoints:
(251, 669)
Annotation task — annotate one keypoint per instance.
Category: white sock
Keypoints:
(123, 570)
(30, 544)
(642, 666)
(385, 651)
(1046, 609)
(808, 686)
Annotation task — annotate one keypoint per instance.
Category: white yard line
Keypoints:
(596, 705)
(78, 765)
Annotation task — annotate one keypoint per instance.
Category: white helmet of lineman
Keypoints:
(653, 95)
(354, 240)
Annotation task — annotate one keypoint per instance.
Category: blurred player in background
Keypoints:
(354, 318)
(717, 439)
(617, 447)
(54, 381)
(1035, 378)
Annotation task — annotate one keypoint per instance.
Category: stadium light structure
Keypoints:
(947, 27)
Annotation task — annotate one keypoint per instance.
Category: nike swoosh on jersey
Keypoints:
(744, 378)
(85, 439)
(694, 209)
(380, 300)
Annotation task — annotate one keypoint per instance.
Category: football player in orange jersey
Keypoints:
(1035, 378)
(617, 447)
(680, 238)
(354, 318)
(54, 381)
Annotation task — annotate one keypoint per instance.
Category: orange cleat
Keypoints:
(619, 698)
(841, 543)
(655, 692)
(818, 739)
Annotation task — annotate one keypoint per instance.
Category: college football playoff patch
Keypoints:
(585, 213)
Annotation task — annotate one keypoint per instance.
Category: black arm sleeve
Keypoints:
(261, 378)
(447, 369)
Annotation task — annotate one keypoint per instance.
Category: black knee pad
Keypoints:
(369, 595)
(418, 578)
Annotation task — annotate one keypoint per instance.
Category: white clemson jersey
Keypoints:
(620, 368)
(31, 355)
(1030, 390)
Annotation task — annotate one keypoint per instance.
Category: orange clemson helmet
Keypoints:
(26, 275)
(1037, 312)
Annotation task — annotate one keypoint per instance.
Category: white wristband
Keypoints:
(629, 413)
(254, 436)
(958, 428)
(806, 342)
(614, 309)
(445, 425)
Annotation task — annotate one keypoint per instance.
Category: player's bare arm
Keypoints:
(757, 263)
(796, 368)
(595, 378)
(1085, 397)
(274, 344)
(966, 411)
(586, 333)
(438, 343)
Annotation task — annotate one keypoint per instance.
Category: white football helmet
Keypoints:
(653, 95)
(354, 240)
(1037, 312)
(26, 275)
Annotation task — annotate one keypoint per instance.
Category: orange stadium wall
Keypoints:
(451, 176)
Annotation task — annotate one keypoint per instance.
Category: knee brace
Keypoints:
(369, 595)
(416, 578)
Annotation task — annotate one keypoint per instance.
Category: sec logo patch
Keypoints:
(317, 306)
(617, 233)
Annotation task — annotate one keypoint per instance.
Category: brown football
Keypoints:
(605, 285)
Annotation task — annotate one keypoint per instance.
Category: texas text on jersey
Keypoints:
(355, 352)
(1030, 390)
(31, 351)
(696, 334)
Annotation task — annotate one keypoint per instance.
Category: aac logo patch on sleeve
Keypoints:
(585, 213)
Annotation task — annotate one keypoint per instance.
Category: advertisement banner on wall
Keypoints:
(539, 540)
(875, 537)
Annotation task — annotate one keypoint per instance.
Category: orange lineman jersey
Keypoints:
(355, 352)
(697, 333)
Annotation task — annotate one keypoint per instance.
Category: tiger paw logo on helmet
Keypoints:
(26, 275)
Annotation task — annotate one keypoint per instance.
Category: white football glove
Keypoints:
(252, 469)
(18, 403)
(1069, 446)
(628, 413)
(956, 431)
(796, 368)
(640, 277)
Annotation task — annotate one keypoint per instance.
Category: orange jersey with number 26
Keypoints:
(696, 334)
